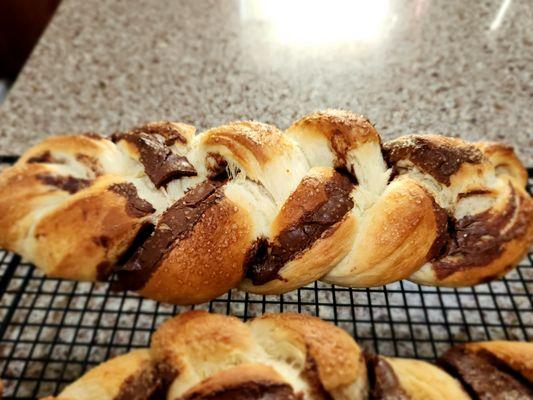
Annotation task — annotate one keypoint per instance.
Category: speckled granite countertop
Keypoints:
(452, 67)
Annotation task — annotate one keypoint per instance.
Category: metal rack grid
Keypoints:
(53, 330)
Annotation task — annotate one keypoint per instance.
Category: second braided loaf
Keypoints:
(202, 356)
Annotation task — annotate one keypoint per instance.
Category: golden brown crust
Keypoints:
(343, 129)
(21, 193)
(421, 380)
(264, 141)
(113, 379)
(104, 229)
(396, 237)
(337, 357)
(208, 262)
(65, 145)
(195, 335)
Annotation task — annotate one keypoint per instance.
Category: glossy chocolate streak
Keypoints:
(266, 259)
(478, 239)
(481, 378)
(145, 231)
(165, 129)
(141, 386)
(252, 390)
(384, 384)
(135, 207)
(105, 268)
(175, 223)
(440, 160)
(67, 183)
(160, 164)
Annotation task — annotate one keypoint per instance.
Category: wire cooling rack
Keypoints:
(53, 330)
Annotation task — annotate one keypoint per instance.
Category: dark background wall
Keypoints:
(21, 25)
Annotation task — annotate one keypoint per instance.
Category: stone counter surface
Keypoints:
(461, 68)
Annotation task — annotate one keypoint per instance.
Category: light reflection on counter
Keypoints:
(499, 16)
(316, 22)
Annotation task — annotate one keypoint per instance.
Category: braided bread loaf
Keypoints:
(203, 356)
(184, 218)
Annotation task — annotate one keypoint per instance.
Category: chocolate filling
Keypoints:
(135, 207)
(103, 270)
(342, 136)
(145, 385)
(266, 259)
(503, 366)
(477, 240)
(216, 166)
(252, 390)
(160, 164)
(443, 236)
(167, 373)
(310, 374)
(475, 192)
(481, 377)
(175, 224)
(350, 175)
(382, 380)
(90, 162)
(45, 157)
(165, 129)
(67, 183)
(440, 160)
(144, 232)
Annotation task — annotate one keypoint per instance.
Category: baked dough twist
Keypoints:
(183, 218)
(201, 356)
